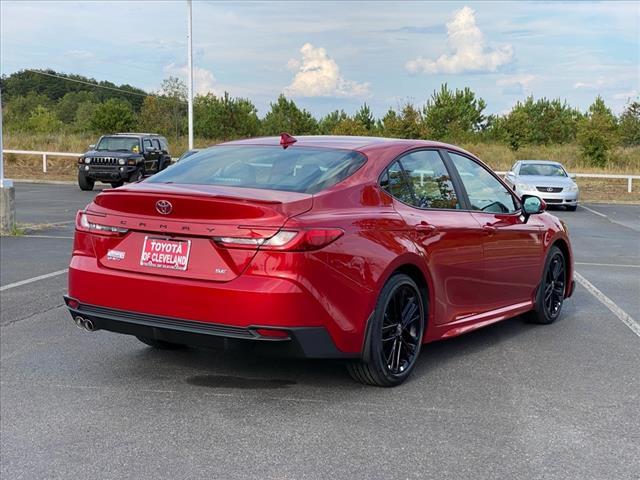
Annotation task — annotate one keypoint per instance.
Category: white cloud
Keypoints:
(318, 75)
(594, 85)
(627, 96)
(203, 79)
(470, 54)
(516, 84)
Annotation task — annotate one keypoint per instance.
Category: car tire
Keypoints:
(550, 294)
(85, 184)
(137, 176)
(117, 184)
(379, 366)
(572, 208)
(160, 344)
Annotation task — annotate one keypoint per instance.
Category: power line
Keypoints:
(99, 86)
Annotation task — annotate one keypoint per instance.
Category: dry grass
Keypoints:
(499, 157)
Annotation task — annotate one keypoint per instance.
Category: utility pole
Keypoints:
(7, 192)
(190, 80)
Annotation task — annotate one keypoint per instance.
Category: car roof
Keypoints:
(548, 162)
(134, 134)
(346, 142)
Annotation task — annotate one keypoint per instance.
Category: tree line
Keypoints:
(50, 103)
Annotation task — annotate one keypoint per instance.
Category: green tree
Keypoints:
(453, 115)
(67, 106)
(365, 118)
(113, 116)
(597, 133)
(42, 120)
(17, 110)
(407, 123)
(285, 116)
(225, 118)
(350, 126)
(329, 122)
(630, 125)
(173, 94)
(156, 116)
(84, 114)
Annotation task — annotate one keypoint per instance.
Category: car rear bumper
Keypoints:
(307, 342)
(234, 309)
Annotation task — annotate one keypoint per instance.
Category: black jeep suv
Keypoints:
(123, 157)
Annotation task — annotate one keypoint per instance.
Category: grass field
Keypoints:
(499, 157)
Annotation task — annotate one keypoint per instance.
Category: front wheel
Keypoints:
(394, 336)
(117, 184)
(550, 296)
(572, 208)
(137, 176)
(85, 184)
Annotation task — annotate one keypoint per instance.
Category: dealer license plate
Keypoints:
(165, 253)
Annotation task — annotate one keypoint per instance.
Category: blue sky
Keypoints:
(329, 55)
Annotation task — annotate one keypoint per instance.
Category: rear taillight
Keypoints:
(285, 240)
(83, 224)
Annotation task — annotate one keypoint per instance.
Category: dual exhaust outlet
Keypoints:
(84, 323)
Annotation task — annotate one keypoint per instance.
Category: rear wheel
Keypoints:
(85, 183)
(160, 344)
(394, 336)
(550, 294)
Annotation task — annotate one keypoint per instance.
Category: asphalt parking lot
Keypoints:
(512, 400)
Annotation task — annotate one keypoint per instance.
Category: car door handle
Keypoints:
(426, 228)
(488, 229)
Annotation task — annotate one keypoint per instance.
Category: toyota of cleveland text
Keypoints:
(355, 248)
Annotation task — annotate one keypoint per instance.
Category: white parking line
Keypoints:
(607, 265)
(610, 304)
(33, 279)
(45, 236)
(593, 211)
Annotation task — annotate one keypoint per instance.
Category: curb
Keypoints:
(37, 180)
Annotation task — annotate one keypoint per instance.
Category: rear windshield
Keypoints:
(119, 144)
(542, 169)
(295, 169)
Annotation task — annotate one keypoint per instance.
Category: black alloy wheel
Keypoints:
(394, 335)
(551, 291)
(400, 329)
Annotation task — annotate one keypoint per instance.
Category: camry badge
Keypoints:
(164, 207)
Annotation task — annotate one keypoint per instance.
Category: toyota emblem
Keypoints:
(550, 189)
(164, 207)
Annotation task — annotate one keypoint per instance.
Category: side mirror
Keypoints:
(92, 146)
(532, 205)
(573, 176)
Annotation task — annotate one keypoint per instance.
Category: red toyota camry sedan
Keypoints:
(356, 248)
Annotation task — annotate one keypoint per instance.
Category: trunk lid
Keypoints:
(182, 220)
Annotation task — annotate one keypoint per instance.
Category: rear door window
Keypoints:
(295, 169)
(430, 180)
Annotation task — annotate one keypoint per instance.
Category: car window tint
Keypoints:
(147, 144)
(395, 183)
(294, 169)
(484, 191)
(156, 143)
(432, 185)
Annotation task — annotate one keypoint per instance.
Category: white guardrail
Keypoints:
(45, 155)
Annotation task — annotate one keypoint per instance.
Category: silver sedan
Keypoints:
(545, 179)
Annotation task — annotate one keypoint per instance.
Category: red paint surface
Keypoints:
(479, 268)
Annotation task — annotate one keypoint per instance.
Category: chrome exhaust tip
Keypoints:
(79, 321)
(88, 325)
